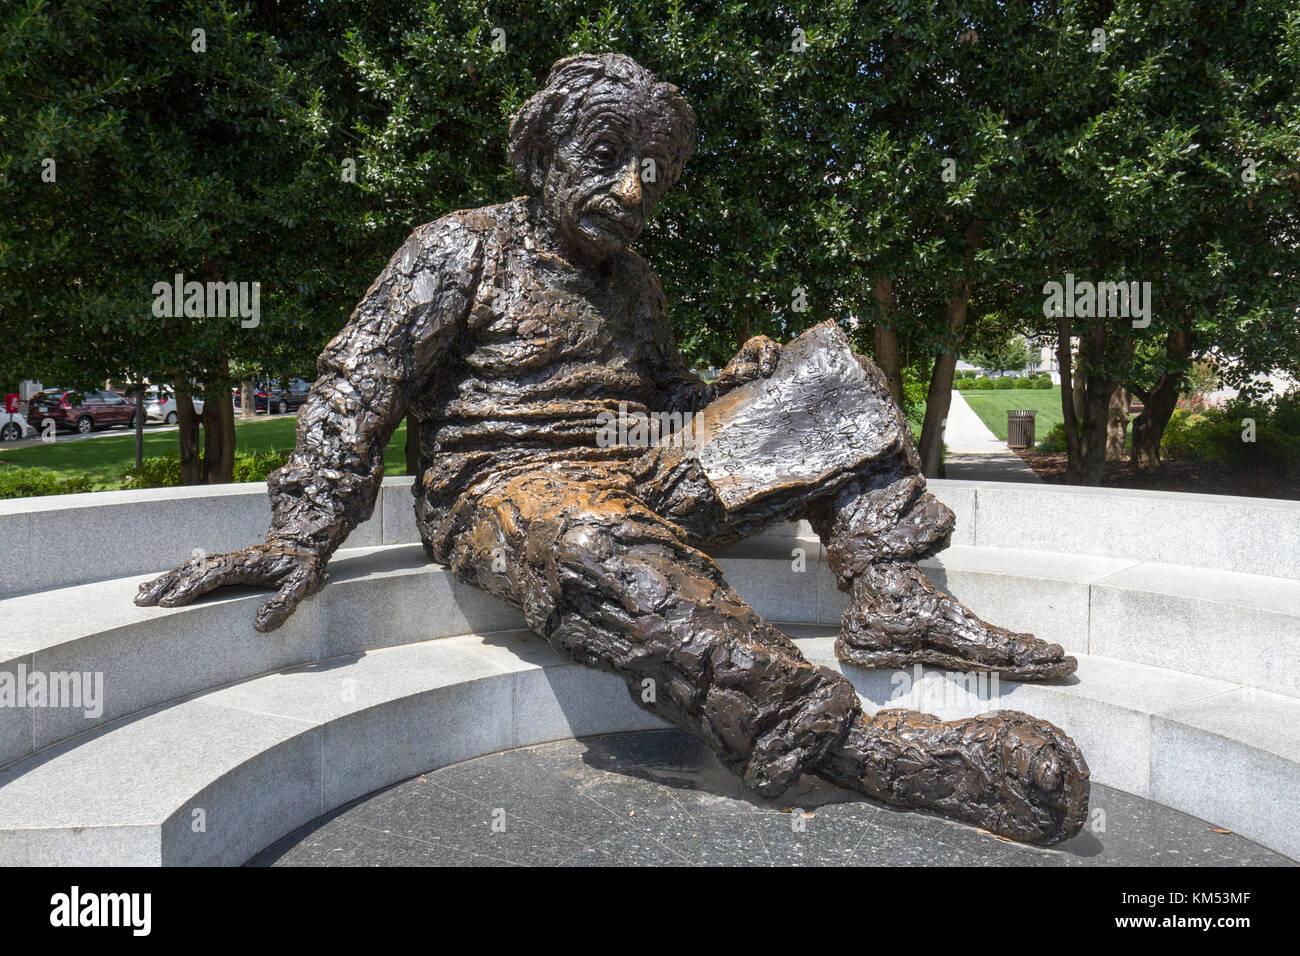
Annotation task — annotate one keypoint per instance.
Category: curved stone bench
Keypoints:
(217, 777)
(63, 540)
(202, 713)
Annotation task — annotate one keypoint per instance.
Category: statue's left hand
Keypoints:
(756, 359)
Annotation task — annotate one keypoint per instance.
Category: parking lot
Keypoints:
(150, 428)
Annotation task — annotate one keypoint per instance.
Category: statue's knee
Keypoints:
(933, 522)
(896, 520)
(581, 544)
(635, 566)
(921, 531)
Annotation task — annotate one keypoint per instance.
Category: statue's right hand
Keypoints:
(295, 572)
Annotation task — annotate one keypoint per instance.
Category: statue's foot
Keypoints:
(1007, 772)
(897, 618)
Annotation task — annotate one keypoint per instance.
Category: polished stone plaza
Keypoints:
(660, 798)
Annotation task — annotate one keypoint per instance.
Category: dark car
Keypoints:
(279, 400)
(80, 411)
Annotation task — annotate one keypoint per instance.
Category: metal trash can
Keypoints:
(1020, 427)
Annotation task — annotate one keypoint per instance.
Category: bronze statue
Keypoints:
(515, 334)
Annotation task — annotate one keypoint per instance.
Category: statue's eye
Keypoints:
(606, 151)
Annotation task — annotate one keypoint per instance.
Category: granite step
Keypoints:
(1215, 624)
(214, 778)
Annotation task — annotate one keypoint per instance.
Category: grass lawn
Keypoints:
(991, 405)
(105, 459)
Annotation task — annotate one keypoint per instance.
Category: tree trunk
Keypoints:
(219, 432)
(1117, 424)
(1149, 427)
(1159, 403)
(139, 425)
(1069, 407)
(1079, 387)
(1097, 390)
(939, 397)
(412, 445)
(247, 403)
(887, 359)
(887, 356)
(188, 432)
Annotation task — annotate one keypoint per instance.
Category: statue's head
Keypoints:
(601, 143)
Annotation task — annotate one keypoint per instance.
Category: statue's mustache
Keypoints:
(610, 209)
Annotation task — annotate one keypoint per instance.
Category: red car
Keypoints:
(80, 411)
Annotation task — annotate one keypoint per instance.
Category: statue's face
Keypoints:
(606, 174)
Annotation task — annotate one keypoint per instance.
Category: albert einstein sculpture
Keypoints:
(513, 333)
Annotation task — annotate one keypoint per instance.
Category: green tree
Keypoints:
(1179, 169)
(133, 149)
(917, 173)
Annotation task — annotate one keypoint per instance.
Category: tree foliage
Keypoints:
(923, 167)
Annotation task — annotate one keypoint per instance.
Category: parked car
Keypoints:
(278, 400)
(13, 426)
(80, 411)
(162, 407)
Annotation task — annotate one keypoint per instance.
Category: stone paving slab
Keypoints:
(659, 798)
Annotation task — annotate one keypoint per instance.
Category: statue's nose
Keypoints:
(628, 189)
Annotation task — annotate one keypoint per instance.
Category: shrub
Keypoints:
(1280, 411)
(34, 482)
(257, 465)
(157, 472)
(1042, 381)
(1217, 435)
(914, 393)
(1054, 443)
(165, 472)
(1215, 440)
(1220, 439)
(1286, 412)
(1177, 439)
(1192, 403)
(1274, 450)
(981, 381)
(1006, 382)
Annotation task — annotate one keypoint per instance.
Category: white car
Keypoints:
(163, 409)
(13, 426)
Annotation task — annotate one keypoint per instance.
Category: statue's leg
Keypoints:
(611, 584)
(1005, 771)
(823, 439)
(875, 529)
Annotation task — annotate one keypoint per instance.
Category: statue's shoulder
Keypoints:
(462, 240)
(480, 223)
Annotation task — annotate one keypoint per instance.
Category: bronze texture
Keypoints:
(516, 334)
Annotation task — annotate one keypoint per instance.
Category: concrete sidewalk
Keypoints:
(976, 454)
